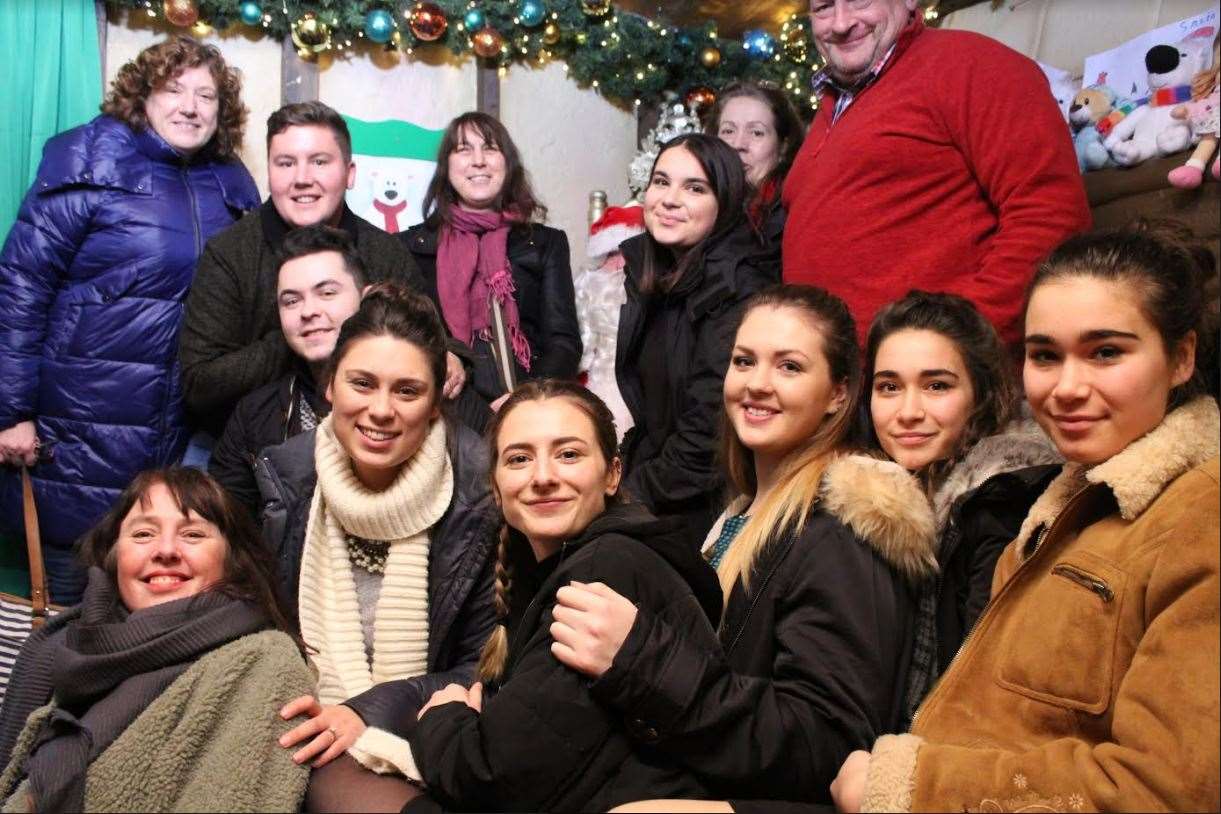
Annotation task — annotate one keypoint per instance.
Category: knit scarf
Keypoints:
(1161, 97)
(402, 516)
(109, 666)
(472, 268)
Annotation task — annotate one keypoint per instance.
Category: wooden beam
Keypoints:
(298, 78)
(487, 90)
(99, 11)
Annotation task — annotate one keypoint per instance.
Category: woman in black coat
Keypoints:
(383, 526)
(943, 405)
(818, 558)
(542, 742)
(686, 278)
(479, 209)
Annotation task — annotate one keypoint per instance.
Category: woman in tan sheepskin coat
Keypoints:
(1091, 681)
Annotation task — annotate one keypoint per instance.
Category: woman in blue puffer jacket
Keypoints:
(93, 277)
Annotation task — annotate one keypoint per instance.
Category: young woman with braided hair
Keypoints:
(543, 742)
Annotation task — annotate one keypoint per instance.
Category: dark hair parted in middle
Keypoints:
(319, 238)
(973, 336)
(389, 309)
(249, 571)
(311, 114)
(787, 122)
(496, 649)
(727, 179)
(1173, 277)
(516, 196)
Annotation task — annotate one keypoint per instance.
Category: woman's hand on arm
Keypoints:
(455, 376)
(19, 444)
(591, 624)
(848, 788)
(473, 697)
(330, 730)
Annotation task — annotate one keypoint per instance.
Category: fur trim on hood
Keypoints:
(1020, 445)
(1186, 438)
(882, 503)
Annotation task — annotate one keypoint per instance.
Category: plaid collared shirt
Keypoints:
(846, 94)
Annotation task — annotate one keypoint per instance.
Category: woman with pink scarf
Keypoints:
(501, 279)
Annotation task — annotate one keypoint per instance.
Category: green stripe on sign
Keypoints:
(394, 139)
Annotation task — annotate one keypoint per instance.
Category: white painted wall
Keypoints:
(572, 140)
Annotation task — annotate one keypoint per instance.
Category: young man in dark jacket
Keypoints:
(231, 341)
(319, 285)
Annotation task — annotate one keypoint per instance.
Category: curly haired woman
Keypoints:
(92, 280)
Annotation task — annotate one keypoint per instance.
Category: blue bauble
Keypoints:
(251, 12)
(474, 19)
(758, 44)
(531, 13)
(379, 26)
(685, 42)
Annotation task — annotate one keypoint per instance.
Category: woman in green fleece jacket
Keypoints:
(158, 692)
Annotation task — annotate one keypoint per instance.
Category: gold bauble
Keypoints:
(181, 12)
(487, 42)
(311, 35)
(710, 57)
(551, 34)
(595, 8)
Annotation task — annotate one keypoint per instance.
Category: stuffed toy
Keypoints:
(1202, 114)
(1143, 128)
(600, 293)
(1090, 106)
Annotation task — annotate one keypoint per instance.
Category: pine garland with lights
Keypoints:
(625, 57)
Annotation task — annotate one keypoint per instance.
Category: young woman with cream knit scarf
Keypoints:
(384, 529)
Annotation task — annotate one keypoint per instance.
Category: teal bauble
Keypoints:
(379, 26)
(531, 13)
(474, 19)
(250, 12)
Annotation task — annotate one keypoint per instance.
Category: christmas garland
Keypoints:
(627, 58)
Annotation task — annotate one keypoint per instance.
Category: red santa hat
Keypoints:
(616, 225)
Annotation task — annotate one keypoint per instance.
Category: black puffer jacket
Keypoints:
(460, 561)
(815, 651)
(546, 304)
(542, 743)
(670, 452)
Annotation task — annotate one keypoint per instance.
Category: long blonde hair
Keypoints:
(786, 508)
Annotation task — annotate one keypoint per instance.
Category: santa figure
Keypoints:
(600, 294)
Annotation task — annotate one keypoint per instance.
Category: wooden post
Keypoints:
(298, 78)
(487, 90)
(99, 10)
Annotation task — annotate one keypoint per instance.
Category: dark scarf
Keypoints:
(109, 666)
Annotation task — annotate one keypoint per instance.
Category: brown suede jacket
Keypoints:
(1091, 681)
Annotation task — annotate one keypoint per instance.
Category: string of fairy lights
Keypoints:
(628, 58)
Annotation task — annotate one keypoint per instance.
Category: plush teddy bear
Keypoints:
(1202, 114)
(1148, 130)
(1090, 106)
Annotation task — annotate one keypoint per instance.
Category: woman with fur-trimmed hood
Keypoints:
(940, 401)
(1090, 682)
(818, 556)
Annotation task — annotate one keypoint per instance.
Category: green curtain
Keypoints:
(50, 81)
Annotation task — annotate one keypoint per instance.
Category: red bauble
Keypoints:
(427, 22)
(181, 12)
(700, 98)
(487, 42)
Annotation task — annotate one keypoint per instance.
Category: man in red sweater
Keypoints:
(937, 160)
